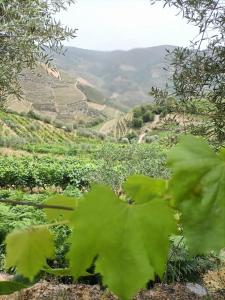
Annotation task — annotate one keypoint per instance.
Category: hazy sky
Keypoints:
(125, 24)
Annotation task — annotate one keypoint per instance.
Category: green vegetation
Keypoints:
(198, 72)
(28, 31)
(124, 204)
(92, 93)
(142, 197)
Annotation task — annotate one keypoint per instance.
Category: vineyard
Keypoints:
(17, 126)
(142, 201)
(43, 172)
(112, 163)
(118, 127)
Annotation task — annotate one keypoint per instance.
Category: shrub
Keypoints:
(137, 112)
(85, 133)
(131, 135)
(58, 124)
(68, 128)
(151, 138)
(32, 114)
(137, 122)
(124, 140)
(148, 116)
(47, 120)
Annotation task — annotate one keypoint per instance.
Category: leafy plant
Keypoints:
(127, 238)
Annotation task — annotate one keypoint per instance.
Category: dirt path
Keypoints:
(148, 128)
(56, 291)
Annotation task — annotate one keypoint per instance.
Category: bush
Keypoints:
(151, 138)
(124, 140)
(68, 128)
(148, 116)
(58, 124)
(131, 135)
(137, 122)
(137, 112)
(85, 133)
(33, 115)
(47, 120)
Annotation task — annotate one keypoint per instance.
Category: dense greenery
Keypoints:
(198, 71)
(42, 172)
(201, 187)
(28, 32)
(110, 164)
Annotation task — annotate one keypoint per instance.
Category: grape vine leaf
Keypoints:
(143, 188)
(60, 200)
(198, 185)
(28, 250)
(129, 241)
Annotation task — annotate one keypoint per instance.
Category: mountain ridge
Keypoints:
(124, 76)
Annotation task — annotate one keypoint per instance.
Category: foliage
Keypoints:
(12, 217)
(137, 122)
(116, 162)
(132, 136)
(144, 113)
(199, 73)
(125, 238)
(184, 267)
(45, 171)
(198, 186)
(29, 31)
(147, 117)
(9, 287)
(126, 259)
(33, 247)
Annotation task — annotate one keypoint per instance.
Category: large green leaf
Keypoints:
(9, 287)
(143, 188)
(129, 241)
(28, 250)
(60, 200)
(198, 185)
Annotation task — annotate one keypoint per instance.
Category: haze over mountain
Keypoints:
(124, 77)
(92, 85)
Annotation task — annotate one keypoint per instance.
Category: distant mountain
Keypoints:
(123, 77)
(92, 86)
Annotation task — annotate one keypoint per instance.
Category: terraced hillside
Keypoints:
(117, 127)
(57, 95)
(123, 77)
(16, 127)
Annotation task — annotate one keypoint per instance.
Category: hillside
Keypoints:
(17, 127)
(124, 77)
(92, 86)
(60, 96)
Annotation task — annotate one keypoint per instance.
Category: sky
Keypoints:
(125, 24)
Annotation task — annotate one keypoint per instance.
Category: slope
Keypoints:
(124, 77)
(59, 96)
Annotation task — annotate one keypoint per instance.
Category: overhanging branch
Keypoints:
(38, 206)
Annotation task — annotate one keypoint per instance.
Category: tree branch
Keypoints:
(39, 206)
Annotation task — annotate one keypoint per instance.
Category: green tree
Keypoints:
(137, 122)
(29, 34)
(148, 116)
(198, 70)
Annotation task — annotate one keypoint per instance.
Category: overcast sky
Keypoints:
(125, 24)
